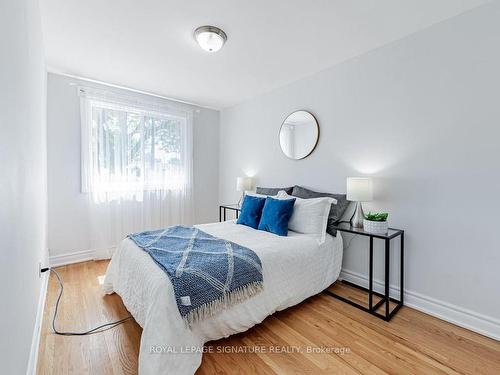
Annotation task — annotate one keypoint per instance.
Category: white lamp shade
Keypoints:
(359, 189)
(244, 184)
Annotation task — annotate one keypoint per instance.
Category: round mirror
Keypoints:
(299, 135)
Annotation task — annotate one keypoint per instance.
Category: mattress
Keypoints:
(294, 268)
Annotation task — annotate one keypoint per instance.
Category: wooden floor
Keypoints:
(412, 343)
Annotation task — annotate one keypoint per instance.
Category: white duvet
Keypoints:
(294, 268)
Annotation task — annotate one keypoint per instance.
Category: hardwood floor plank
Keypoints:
(387, 344)
(374, 354)
(417, 330)
(239, 363)
(412, 342)
(291, 336)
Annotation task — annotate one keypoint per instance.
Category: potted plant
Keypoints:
(376, 222)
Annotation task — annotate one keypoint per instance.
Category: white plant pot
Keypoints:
(380, 227)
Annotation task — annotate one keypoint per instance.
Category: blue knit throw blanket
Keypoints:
(208, 273)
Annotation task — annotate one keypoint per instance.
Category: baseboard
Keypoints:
(35, 342)
(485, 325)
(81, 256)
(76, 257)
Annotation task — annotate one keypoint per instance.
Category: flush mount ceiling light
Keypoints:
(210, 38)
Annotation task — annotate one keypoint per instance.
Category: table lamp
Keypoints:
(244, 184)
(359, 189)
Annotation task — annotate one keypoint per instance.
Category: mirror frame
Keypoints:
(317, 138)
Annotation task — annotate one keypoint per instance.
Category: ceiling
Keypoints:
(148, 45)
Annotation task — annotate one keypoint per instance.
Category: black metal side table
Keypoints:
(385, 298)
(231, 207)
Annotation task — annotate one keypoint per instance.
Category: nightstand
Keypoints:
(385, 299)
(231, 207)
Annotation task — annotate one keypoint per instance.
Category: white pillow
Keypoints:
(310, 216)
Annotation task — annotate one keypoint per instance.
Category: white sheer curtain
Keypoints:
(136, 166)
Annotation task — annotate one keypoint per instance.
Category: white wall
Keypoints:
(421, 116)
(23, 213)
(68, 213)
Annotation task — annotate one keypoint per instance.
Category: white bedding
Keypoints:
(294, 268)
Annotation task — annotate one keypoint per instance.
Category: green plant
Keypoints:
(376, 216)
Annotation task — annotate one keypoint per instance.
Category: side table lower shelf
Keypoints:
(374, 307)
(385, 298)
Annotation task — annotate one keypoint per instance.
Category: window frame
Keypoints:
(156, 109)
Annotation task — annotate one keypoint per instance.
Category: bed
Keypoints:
(294, 268)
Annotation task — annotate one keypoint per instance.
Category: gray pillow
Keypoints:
(273, 191)
(336, 211)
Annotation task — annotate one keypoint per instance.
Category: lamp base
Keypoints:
(358, 216)
(241, 199)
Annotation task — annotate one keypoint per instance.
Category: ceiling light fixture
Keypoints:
(210, 38)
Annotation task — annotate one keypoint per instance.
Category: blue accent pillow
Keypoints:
(251, 210)
(275, 215)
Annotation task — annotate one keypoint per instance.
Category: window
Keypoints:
(130, 147)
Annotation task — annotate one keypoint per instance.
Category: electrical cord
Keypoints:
(93, 330)
(352, 235)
